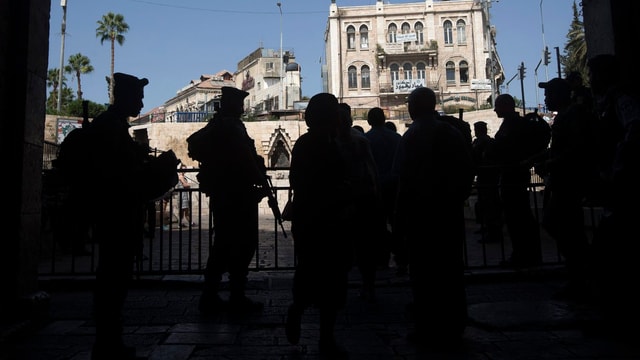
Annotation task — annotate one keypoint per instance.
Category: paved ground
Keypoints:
(512, 316)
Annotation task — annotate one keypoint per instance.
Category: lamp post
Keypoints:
(282, 100)
(544, 43)
(63, 3)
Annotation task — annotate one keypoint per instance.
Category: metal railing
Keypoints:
(174, 248)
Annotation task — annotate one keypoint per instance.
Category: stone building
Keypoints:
(195, 101)
(376, 54)
(272, 79)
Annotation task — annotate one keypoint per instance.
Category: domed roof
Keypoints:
(292, 67)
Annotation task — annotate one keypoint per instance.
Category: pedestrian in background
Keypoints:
(488, 208)
(435, 175)
(383, 143)
(568, 167)
(615, 244)
(185, 198)
(512, 152)
(322, 208)
(366, 225)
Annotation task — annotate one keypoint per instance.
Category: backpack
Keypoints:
(74, 156)
(538, 133)
(199, 143)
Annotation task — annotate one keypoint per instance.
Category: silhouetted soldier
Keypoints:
(435, 175)
(122, 183)
(231, 176)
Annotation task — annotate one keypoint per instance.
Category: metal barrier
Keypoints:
(171, 248)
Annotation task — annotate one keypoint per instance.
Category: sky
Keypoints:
(174, 42)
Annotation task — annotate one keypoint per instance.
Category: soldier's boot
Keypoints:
(210, 301)
(239, 302)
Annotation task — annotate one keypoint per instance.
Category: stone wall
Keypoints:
(165, 136)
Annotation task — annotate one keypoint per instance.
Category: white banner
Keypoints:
(406, 37)
(404, 86)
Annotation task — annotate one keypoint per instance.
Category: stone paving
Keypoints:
(511, 315)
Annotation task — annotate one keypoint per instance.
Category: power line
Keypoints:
(226, 11)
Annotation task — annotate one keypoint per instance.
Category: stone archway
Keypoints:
(279, 154)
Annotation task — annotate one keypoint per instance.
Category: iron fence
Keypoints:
(172, 247)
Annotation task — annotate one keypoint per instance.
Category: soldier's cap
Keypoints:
(232, 98)
(480, 124)
(556, 84)
(129, 81)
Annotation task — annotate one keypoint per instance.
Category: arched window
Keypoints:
(464, 72)
(448, 32)
(407, 71)
(394, 71)
(393, 29)
(406, 28)
(419, 33)
(421, 71)
(353, 77)
(351, 37)
(364, 37)
(451, 72)
(365, 77)
(462, 34)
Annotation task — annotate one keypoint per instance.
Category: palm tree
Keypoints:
(576, 46)
(78, 64)
(53, 76)
(111, 27)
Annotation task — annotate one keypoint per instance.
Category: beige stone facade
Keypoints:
(272, 81)
(376, 54)
(272, 84)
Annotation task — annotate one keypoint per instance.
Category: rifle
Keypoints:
(273, 202)
(85, 113)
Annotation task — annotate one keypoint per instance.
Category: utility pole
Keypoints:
(63, 3)
(522, 69)
(510, 80)
(486, 4)
(282, 95)
(558, 61)
(544, 43)
(535, 77)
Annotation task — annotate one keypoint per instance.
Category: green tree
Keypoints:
(53, 77)
(67, 94)
(74, 108)
(111, 27)
(78, 64)
(67, 98)
(575, 48)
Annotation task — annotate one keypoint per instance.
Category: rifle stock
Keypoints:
(273, 202)
(85, 113)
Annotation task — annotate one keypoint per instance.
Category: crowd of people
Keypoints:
(362, 198)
